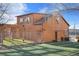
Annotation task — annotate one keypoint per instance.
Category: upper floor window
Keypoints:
(46, 18)
(21, 20)
(58, 19)
(27, 20)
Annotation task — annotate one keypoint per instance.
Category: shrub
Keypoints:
(66, 38)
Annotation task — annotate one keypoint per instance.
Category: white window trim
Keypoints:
(21, 20)
(58, 18)
(27, 20)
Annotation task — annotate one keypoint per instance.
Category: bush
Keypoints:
(78, 40)
(66, 38)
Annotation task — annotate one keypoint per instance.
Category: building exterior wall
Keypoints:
(48, 29)
(45, 32)
(51, 27)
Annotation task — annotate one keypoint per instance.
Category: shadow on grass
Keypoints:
(66, 44)
(32, 49)
(32, 52)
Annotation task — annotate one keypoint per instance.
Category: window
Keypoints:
(27, 20)
(46, 18)
(58, 19)
(21, 20)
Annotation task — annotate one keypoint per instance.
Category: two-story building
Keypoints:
(38, 27)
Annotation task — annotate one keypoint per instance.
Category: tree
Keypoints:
(3, 20)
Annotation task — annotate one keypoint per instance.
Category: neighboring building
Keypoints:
(39, 27)
(74, 33)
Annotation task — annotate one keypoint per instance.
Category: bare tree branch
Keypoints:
(3, 11)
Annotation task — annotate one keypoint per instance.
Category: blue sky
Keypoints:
(71, 16)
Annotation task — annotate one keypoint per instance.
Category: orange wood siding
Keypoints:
(39, 33)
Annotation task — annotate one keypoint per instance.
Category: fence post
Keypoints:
(1, 37)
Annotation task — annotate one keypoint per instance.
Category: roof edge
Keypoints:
(31, 13)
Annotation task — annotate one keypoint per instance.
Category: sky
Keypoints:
(71, 16)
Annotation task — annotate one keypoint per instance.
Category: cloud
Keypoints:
(15, 9)
(44, 10)
(51, 8)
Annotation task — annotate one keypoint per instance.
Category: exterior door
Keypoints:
(56, 35)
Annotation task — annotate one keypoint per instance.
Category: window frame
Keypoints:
(21, 20)
(27, 20)
(58, 19)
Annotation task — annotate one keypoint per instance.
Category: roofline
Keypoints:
(31, 13)
(43, 14)
(65, 20)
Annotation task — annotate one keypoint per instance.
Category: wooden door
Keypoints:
(56, 36)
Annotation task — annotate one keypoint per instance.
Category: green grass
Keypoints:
(19, 48)
(10, 42)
